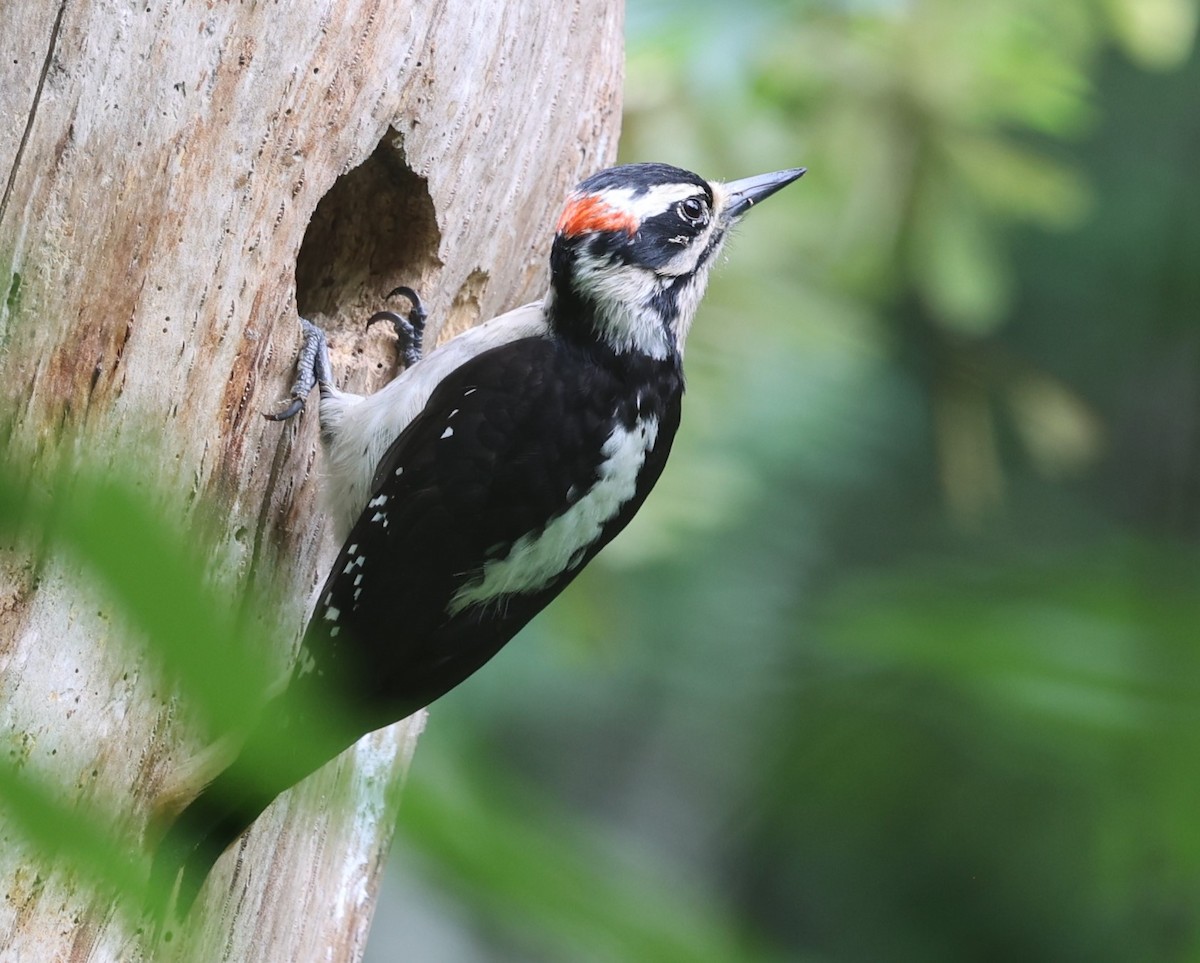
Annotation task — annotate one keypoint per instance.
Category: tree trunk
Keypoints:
(179, 179)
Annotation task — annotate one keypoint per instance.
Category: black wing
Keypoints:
(504, 445)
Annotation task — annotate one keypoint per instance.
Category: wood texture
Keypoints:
(175, 178)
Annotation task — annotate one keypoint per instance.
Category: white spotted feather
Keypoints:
(534, 560)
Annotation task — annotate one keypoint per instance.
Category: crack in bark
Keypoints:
(33, 108)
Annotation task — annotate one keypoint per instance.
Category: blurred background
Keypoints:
(902, 660)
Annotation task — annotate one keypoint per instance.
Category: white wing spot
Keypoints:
(448, 432)
(376, 502)
(469, 391)
(453, 413)
(307, 663)
(380, 516)
(331, 614)
(358, 579)
(357, 593)
(352, 549)
(335, 630)
(399, 471)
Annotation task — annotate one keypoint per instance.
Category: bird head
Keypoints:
(633, 249)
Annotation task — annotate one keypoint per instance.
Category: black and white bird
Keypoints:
(476, 485)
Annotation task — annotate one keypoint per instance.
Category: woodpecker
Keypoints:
(476, 486)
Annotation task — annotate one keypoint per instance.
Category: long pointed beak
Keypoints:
(745, 193)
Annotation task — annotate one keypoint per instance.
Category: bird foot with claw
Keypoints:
(410, 330)
(312, 368)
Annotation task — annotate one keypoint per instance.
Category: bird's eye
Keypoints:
(692, 210)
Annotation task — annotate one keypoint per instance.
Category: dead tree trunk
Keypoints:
(178, 181)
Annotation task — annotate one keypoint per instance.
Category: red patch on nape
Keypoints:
(591, 213)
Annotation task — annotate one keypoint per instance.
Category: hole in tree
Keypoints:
(373, 231)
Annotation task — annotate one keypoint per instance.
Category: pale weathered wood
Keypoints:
(160, 164)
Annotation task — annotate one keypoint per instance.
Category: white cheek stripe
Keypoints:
(534, 560)
(648, 203)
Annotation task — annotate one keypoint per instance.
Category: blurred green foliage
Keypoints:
(902, 660)
(158, 585)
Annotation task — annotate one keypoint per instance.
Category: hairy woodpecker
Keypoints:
(476, 485)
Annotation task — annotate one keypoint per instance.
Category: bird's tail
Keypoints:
(289, 743)
(198, 836)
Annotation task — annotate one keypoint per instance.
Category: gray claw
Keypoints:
(295, 406)
(410, 331)
(312, 368)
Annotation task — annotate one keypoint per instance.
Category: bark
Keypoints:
(178, 180)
